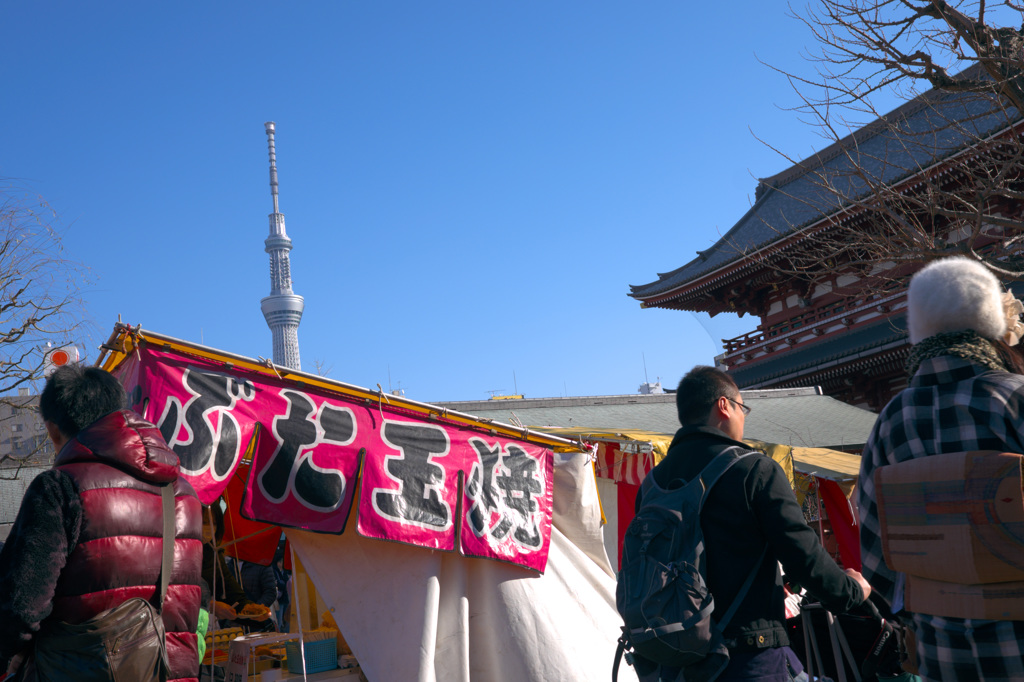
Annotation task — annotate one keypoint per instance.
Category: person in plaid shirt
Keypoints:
(962, 397)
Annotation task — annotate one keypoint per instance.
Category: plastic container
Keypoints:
(217, 643)
(320, 655)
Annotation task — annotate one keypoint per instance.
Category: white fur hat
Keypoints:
(954, 294)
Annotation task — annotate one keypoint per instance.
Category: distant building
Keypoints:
(25, 452)
(23, 438)
(647, 388)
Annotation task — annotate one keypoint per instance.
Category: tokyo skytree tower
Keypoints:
(282, 308)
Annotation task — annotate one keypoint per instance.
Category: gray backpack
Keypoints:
(662, 593)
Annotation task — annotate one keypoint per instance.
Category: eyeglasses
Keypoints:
(746, 410)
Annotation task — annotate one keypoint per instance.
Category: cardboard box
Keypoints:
(954, 524)
(998, 601)
(956, 518)
(242, 659)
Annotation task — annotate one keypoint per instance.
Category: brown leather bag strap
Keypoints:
(167, 562)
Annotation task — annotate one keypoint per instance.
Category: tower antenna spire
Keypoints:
(282, 309)
(273, 163)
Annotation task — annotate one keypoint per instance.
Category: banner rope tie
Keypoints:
(135, 334)
(381, 397)
(269, 364)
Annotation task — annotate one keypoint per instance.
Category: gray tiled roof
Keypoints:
(800, 416)
(644, 412)
(797, 198)
(816, 421)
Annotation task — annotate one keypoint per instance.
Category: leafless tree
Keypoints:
(868, 45)
(39, 303)
(321, 368)
(942, 174)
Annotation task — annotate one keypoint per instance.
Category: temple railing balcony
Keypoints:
(811, 324)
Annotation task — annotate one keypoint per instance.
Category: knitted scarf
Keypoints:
(966, 344)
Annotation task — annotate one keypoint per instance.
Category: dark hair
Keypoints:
(698, 392)
(75, 396)
(1010, 355)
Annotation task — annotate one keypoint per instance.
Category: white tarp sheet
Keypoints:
(411, 614)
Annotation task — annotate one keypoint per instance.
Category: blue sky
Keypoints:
(470, 187)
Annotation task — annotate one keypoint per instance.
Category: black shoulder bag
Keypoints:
(123, 644)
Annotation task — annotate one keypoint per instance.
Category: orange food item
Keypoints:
(254, 612)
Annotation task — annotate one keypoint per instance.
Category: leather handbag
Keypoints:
(123, 644)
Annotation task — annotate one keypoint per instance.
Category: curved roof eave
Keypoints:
(806, 201)
(719, 268)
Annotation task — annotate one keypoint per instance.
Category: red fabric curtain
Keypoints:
(627, 503)
(247, 540)
(844, 526)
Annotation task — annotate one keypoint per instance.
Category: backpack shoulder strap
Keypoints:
(167, 560)
(719, 465)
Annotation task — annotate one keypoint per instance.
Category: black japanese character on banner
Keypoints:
(417, 501)
(505, 486)
(298, 432)
(484, 495)
(520, 486)
(212, 435)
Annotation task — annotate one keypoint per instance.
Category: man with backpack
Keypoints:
(749, 522)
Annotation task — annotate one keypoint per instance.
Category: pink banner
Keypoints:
(306, 460)
(410, 491)
(207, 415)
(424, 482)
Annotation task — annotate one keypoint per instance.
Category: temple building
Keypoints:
(826, 320)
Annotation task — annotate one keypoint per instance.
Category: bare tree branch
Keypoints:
(39, 303)
(321, 368)
(941, 175)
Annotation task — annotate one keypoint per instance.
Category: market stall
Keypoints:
(443, 546)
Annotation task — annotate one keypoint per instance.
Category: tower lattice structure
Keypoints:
(282, 308)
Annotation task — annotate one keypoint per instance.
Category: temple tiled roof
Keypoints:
(796, 198)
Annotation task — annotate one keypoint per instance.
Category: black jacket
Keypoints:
(753, 505)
